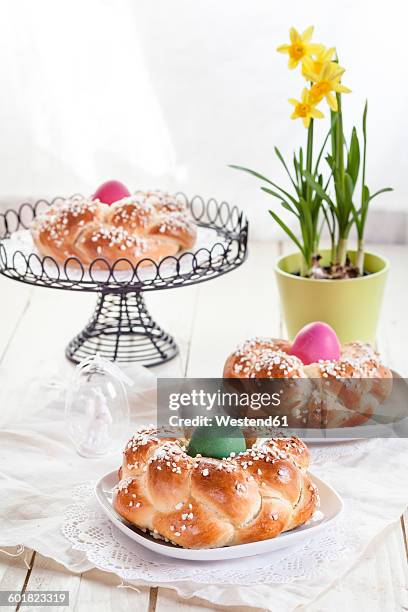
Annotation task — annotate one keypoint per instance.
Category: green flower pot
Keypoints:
(351, 306)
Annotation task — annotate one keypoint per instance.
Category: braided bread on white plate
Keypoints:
(149, 225)
(327, 393)
(201, 502)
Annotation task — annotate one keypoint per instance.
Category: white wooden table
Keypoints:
(207, 320)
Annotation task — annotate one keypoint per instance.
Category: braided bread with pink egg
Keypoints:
(147, 225)
(324, 394)
(202, 502)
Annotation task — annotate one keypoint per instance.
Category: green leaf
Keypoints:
(302, 184)
(349, 188)
(287, 230)
(331, 226)
(348, 227)
(288, 207)
(319, 234)
(365, 194)
(363, 174)
(301, 159)
(334, 122)
(280, 157)
(263, 178)
(330, 160)
(271, 192)
(306, 223)
(353, 159)
(306, 214)
(249, 171)
(318, 188)
(365, 120)
(385, 190)
(296, 166)
(324, 145)
(365, 200)
(328, 182)
(357, 219)
(278, 195)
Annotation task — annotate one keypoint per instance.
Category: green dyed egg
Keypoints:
(216, 442)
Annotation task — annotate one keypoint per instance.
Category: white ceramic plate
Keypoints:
(330, 507)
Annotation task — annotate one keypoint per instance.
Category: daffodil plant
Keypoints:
(317, 198)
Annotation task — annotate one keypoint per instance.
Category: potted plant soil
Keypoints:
(342, 285)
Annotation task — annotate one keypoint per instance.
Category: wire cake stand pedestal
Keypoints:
(121, 328)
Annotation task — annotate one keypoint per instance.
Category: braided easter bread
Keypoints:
(150, 225)
(341, 393)
(202, 502)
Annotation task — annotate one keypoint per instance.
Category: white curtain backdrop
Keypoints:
(167, 93)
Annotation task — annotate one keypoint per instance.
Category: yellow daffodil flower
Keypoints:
(315, 63)
(325, 83)
(300, 46)
(305, 109)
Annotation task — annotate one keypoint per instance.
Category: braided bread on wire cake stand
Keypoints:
(202, 502)
(147, 225)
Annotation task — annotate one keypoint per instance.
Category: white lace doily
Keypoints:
(89, 530)
(338, 450)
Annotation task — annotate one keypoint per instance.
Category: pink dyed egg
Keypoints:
(316, 341)
(111, 192)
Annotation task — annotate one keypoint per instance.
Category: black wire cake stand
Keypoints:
(121, 328)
